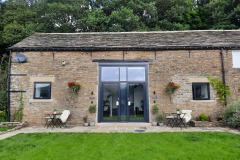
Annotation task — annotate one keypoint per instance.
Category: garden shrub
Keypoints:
(2, 116)
(203, 117)
(232, 115)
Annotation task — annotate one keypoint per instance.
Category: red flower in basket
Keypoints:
(74, 86)
(171, 87)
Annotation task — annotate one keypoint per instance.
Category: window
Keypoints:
(200, 91)
(136, 73)
(42, 90)
(236, 59)
(122, 73)
(110, 74)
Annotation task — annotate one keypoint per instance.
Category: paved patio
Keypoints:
(117, 127)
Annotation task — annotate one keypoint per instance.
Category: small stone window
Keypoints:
(42, 90)
(200, 91)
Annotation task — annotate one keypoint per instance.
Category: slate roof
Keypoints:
(164, 40)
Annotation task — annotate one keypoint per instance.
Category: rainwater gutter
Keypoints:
(9, 87)
(223, 74)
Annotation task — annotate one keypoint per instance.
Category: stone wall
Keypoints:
(183, 67)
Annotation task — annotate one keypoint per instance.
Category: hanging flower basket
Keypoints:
(172, 87)
(74, 86)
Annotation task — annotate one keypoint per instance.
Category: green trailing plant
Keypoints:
(203, 117)
(18, 116)
(222, 90)
(92, 108)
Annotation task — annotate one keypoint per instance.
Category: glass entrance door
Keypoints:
(123, 95)
(110, 101)
(136, 101)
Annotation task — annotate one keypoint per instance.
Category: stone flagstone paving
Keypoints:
(117, 127)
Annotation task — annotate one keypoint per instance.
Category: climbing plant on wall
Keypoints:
(222, 90)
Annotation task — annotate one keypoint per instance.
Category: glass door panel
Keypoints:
(123, 102)
(110, 101)
(136, 102)
(136, 74)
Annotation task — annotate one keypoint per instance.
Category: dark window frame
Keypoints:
(194, 88)
(50, 93)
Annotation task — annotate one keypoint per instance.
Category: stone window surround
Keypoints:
(200, 80)
(41, 79)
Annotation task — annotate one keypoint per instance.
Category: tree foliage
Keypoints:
(21, 18)
(3, 86)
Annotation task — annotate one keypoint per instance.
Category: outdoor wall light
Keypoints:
(63, 63)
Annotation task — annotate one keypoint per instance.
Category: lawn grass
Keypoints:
(3, 128)
(121, 146)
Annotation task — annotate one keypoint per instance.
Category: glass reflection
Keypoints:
(110, 74)
(110, 102)
(136, 73)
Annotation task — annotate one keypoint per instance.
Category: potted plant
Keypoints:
(54, 111)
(178, 110)
(85, 119)
(154, 112)
(92, 109)
(160, 119)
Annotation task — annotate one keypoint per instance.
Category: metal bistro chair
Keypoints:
(187, 117)
(48, 120)
(63, 117)
(169, 119)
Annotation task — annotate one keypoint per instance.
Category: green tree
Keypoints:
(123, 20)
(95, 21)
(12, 33)
(3, 86)
(61, 16)
(173, 13)
(219, 13)
(17, 19)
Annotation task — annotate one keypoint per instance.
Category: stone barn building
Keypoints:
(123, 74)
